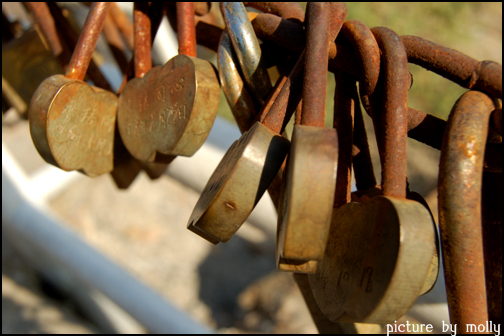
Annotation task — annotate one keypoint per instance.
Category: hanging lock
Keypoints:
(309, 181)
(380, 253)
(72, 123)
(171, 110)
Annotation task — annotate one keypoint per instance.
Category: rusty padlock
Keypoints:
(170, 110)
(460, 217)
(379, 253)
(72, 123)
(310, 176)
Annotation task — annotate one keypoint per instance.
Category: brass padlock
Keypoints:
(309, 181)
(72, 123)
(379, 255)
(171, 110)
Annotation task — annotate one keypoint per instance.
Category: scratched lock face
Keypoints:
(170, 110)
(72, 125)
(375, 264)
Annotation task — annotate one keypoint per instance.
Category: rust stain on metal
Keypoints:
(286, 10)
(87, 41)
(455, 66)
(460, 176)
(390, 112)
(186, 28)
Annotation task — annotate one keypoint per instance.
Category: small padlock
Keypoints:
(309, 181)
(72, 123)
(379, 253)
(171, 110)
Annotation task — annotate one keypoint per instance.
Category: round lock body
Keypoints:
(170, 110)
(238, 183)
(378, 255)
(72, 125)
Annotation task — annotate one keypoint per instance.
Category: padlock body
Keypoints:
(377, 260)
(170, 110)
(238, 183)
(72, 125)
(307, 198)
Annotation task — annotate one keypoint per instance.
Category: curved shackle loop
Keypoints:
(286, 10)
(247, 49)
(460, 186)
(88, 38)
(390, 117)
(367, 52)
(237, 95)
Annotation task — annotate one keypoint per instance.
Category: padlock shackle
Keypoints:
(368, 55)
(142, 38)
(88, 38)
(390, 107)
(460, 195)
(247, 49)
(315, 69)
(233, 86)
(323, 23)
(367, 52)
(186, 28)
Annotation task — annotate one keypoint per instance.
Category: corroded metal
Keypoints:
(368, 273)
(87, 42)
(390, 112)
(286, 10)
(343, 122)
(247, 49)
(123, 23)
(71, 39)
(71, 123)
(455, 66)
(44, 19)
(186, 32)
(460, 176)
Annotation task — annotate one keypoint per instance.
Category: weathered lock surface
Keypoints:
(237, 184)
(243, 175)
(72, 123)
(25, 64)
(309, 181)
(381, 251)
(171, 109)
(169, 104)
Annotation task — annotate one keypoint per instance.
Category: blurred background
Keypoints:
(232, 287)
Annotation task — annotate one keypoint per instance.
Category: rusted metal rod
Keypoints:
(460, 176)
(455, 66)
